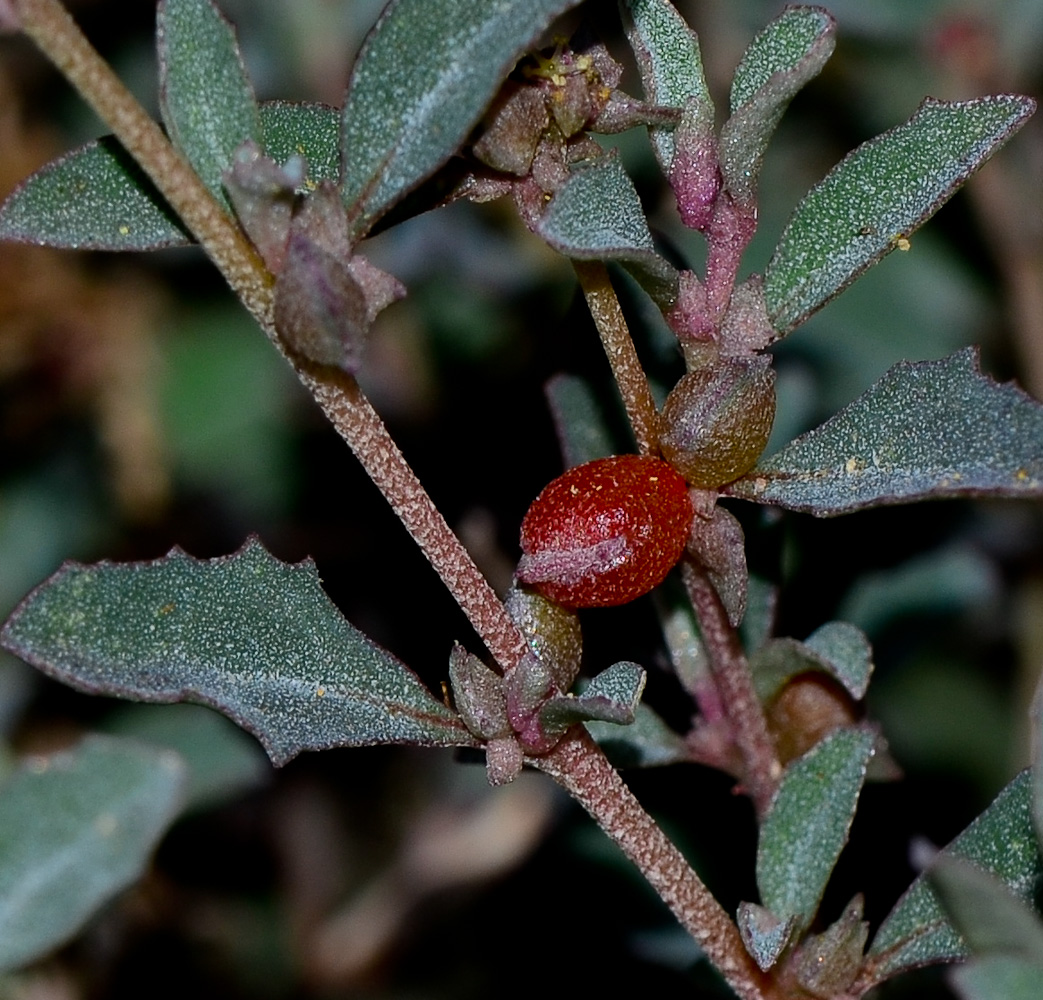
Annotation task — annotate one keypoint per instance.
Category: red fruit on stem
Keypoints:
(605, 532)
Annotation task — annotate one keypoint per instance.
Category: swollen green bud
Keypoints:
(717, 419)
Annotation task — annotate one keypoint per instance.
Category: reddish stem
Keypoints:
(731, 673)
(621, 353)
(579, 766)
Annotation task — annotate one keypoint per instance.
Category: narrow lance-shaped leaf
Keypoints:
(670, 64)
(76, 828)
(424, 76)
(877, 195)
(206, 99)
(788, 53)
(596, 215)
(246, 634)
(803, 834)
(1001, 840)
(926, 430)
(97, 198)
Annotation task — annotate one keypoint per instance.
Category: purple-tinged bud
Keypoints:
(717, 420)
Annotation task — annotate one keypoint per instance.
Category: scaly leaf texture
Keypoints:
(670, 64)
(206, 99)
(424, 76)
(807, 826)
(249, 635)
(879, 194)
(837, 649)
(97, 198)
(1001, 840)
(76, 828)
(596, 215)
(926, 430)
(93, 198)
(788, 53)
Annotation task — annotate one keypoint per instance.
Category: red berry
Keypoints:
(606, 532)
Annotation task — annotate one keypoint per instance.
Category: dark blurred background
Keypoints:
(141, 409)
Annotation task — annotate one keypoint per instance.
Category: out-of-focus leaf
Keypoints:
(670, 63)
(878, 194)
(807, 827)
(206, 99)
(308, 130)
(93, 198)
(422, 80)
(1002, 841)
(246, 634)
(76, 828)
(989, 917)
(1037, 762)
(837, 649)
(788, 53)
(998, 977)
(647, 742)
(222, 761)
(926, 430)
(578, 418)
(946, 581)
(597, 215)
(764, 934)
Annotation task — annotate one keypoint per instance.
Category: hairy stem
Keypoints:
(50, 26)
(622, 356)
(731, 673)
(580, 767)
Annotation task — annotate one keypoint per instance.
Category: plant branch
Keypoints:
(351, 413)
(731, 673)
(622, 356)
(49, 25)
(580, 767)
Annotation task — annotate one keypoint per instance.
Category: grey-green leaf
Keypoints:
(989, 917)
(837, 649)
(76, 828)
(670, 64)
(249, 635)
(763, 934)
(206, 99)
(788, 53)
(926, 430)
(878, 194)
(93, 198)
(308, 130)
(597, 215)
(612, 696)
(1002, 841)
(97, 198)
(424, 76)
(1036, 718)
(998, 977)
(807, 827)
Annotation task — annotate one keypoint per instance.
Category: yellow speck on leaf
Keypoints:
(902, 242)
(124, 230)
(1021, 475)
(320, 692)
